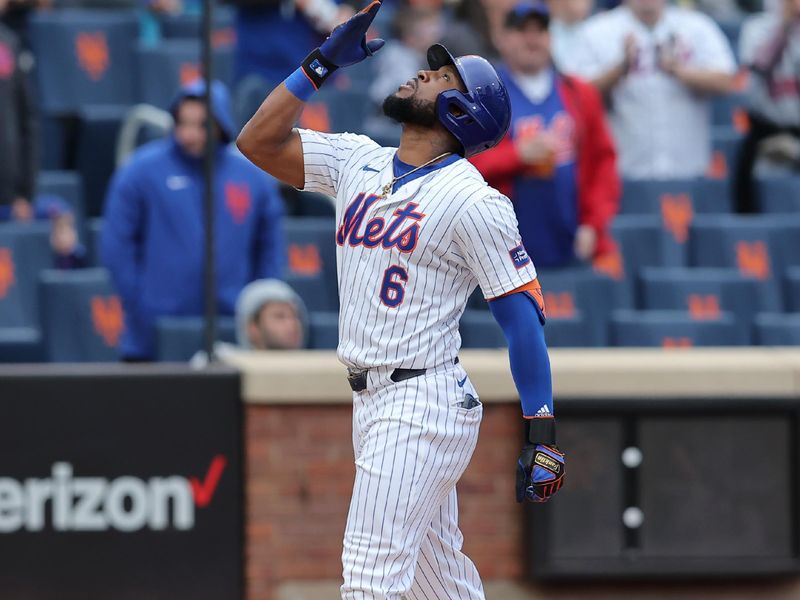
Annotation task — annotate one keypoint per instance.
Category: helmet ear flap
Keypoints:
(463, 118)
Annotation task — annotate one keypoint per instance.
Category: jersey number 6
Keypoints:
(392, 290)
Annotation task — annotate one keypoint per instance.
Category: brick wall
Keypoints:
(299, 478)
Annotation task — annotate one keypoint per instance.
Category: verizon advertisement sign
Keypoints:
(99, 504)
(120, 487)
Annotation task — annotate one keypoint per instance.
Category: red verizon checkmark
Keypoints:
(204, 492)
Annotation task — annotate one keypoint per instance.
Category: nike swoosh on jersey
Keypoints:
(462, 382)
(368, 168)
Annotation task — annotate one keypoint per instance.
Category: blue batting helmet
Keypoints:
(483, 112)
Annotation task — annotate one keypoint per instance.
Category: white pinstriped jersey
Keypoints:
(407, 265)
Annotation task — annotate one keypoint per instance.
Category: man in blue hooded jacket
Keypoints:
(153, 235)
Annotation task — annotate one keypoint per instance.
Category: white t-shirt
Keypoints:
(662, 128)
(778, 99)
(407, 264)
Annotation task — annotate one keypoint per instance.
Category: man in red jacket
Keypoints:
(558, 163)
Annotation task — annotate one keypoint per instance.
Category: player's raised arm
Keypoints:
(269, 139)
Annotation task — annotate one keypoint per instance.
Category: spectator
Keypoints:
(153, 235)
(658, 65)
(273, 37)
(415, 30)
(558, 164)
(18, 159)
(770, 49)
(68, 252)
(567, 18)
(270, 316)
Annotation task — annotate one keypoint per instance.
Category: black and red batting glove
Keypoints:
(541, 465)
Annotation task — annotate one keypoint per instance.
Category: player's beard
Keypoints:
(410, 110)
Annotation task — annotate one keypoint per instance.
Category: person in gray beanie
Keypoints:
(270, 316)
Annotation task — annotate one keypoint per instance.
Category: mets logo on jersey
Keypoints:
(377, 232)
(519, 256)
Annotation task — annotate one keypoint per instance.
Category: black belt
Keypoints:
(358, 379)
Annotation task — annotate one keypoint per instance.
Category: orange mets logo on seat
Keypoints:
(93, 54)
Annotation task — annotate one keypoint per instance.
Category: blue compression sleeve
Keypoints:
(522, 322)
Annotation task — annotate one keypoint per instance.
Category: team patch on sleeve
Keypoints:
(519, 256)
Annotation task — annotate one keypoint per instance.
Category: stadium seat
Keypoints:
(20, 345)
(81, 316)
(311, 250)
(178, 339)
(165, 68)
(314, 292)
(729, 110)
(793, 289)
(248, 94)
(94, 231)
(323, 330)
(725, 142)
(24, 252)
(83, 57)
(778, 329)
(672, 199)
(701, 293)
(779, 194)
(52, 145)
(673, 329)
(334, 109)
(478, 329)
(573, 332)
(188, 26)
(570, 294)
(758, 246)
(643, 242)
(98, 128)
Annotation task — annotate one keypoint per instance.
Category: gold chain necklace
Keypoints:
(388, 187)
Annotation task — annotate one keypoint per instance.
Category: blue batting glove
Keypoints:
(347, 44)
(540, 472)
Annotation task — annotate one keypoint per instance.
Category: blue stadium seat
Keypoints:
(701, 293)
(248, 94)
(98, 128)
(573, 332)
(570, 294)
(758, 246)
(20, 345)
(84, 57)
(180, 338)
(94, 231)
(324, 330)
(778, 329)
(81, 316)
(314, 292)
(188, 26)
(163, 69)
(729, 110)
(344, 109)
(478, 329)
(671, 198)
(24, 252)
(311, 250)
(732, 28)
(793, 289)
(644, 242)
(779, 194)
(725, 142)
(65, 184)
(672, 329)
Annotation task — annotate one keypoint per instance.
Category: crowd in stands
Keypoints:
(652, 161)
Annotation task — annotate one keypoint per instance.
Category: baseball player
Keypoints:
(417, 230)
